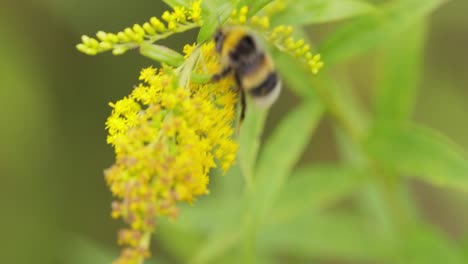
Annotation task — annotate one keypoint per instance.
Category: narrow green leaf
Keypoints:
(421, 152)
(314, 187)
(219, 242)
(321, 11)
(249, 139)
(235, 257)
(399, 75)
(368, 31)
(341, 102)
(162, 54)
(254, 5)
(426, 246)
(199, 78)
(324, 236)
(214, 13)
(180, 238)
(174, 3)
(353, 237)
(193, 239)
(295, 74)
(328, 90)
(281, 152)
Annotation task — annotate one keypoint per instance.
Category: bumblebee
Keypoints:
(253, 69)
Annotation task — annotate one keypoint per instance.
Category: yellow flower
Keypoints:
(179, 20)
(167, 137)
(281, 37)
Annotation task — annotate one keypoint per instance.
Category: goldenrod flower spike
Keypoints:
(167, 136)
(179, 20)
(280, 37)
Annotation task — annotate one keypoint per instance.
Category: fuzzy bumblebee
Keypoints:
(254, 71)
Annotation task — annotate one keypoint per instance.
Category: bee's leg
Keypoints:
(242, 111)
(243, 106)
(220, 75)
(241, 92)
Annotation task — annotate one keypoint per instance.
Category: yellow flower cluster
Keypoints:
(167, 135)
(279, 36)
(179, 20)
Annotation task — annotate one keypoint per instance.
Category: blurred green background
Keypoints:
(54, 102)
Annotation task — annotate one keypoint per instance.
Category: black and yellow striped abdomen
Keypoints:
(253, 68)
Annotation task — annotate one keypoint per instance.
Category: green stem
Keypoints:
(157, 37)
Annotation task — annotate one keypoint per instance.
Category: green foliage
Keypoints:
(319, 11)
(173, 3)
(273, 169)
(400, 61)
(356, 208)
(324, 236)
(215, 13)
(162, 54)
(316, 187)
(420, 152)
(276, 217)
(368, 31)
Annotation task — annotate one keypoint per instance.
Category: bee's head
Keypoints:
(218, 39)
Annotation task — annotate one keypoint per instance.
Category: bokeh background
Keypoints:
(54, 102)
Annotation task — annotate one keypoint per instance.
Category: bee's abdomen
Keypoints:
(258, 77)
(266, 86)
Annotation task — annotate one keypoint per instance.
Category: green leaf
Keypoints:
(254, 6)
(399, 76)
(174, 3)
(353, 237)
(324, 89)
(295, 74)
(180, 237)
(321, 11)
(368, 31)
(423, 245)
(235, 257)
(199, 78)
(162, 54)
(341, 102)
(249, 139)
(314, 187)
(214, 13)
(281, 152)
(219, 242)
(421, 152)
(203, 232)
(324, 236)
